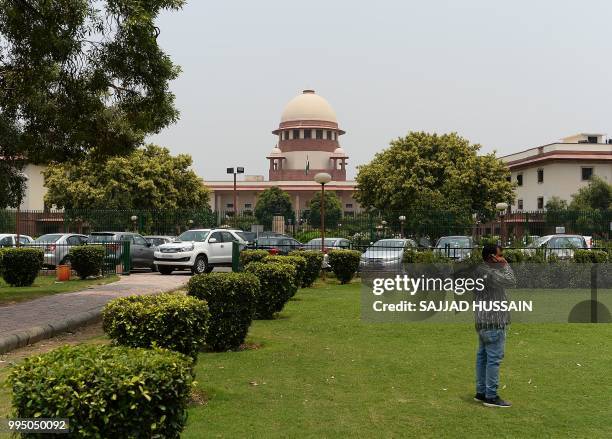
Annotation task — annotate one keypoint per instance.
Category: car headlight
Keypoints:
(188, 248)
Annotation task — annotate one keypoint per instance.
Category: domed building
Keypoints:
(307, 142)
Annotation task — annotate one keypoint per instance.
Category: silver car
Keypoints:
(458, 248)
(386, 254)
(141, 250)
(56, 247)
(10, 239)
(562, 246)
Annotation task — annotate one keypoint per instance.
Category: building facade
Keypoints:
(558, 169)
(307, 143)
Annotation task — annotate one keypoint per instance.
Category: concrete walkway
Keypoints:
(28, 322)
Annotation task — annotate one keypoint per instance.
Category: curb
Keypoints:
(19, 339)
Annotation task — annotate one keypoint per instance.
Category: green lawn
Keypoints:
(321, 372)
(46, 285)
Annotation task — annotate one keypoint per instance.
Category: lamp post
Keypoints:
(235, 171)
(322, 178)
(402, 220)
(501, 208)
(134, 218)
(18, 213)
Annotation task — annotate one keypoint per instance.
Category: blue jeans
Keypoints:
(488, 358)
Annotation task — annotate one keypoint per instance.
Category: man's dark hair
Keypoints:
(488, 250)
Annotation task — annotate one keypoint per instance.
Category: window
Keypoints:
(519, 204)
(328, 135)
(519, 179)
(73, 240)
(227, 237)
(319, 134)
(286, 135)
(587, 173)
(230, 205)
(307, 134)
(217, 236)
(296, 134)
(138, 240)
(7, 241)
(248, 206)
(540, 203)
(349, 205)
(540, 175)
(592, 139)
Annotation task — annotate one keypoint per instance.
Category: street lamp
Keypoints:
(402, 220)
(235, 171)
(18, 213)
(322, 178)
(501, 208)
(134, 218)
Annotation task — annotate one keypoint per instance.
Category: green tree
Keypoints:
(148, 178)
(556, 204)
(79, 76)
(333, 210)
(422, 173)
(273, 201)
(597, 195)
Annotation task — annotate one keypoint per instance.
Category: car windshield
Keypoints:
(538, 242)
(454, 243)
(317, 241)
(52, 237)
(102, 237)
(389, 243)
(193, 235)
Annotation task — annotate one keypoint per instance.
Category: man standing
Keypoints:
(491, 325)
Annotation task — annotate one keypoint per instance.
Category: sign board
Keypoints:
(257, 228)
(559, 230)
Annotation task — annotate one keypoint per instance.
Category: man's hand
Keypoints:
(499, 259)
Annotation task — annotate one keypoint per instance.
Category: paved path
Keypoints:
(28, 322)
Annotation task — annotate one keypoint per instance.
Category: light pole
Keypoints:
(18, 213)
(322, 178)
(501, 208)
(402, 220)
(134, 218)
(235, 171)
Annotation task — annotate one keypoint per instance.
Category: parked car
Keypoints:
(458, 248)
(248, 237)
(56, 247)
(385, 254)
(10, 239)
(330, 243)
(141, 250)
(157, 240)
(562, 246)
(198, 250)
(281, 244)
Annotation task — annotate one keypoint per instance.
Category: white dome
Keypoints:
(339, 151)
(308, 106)
(275, 152)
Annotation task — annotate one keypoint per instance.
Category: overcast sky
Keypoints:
(508, 75)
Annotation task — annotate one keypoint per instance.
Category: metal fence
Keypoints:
(516, 228)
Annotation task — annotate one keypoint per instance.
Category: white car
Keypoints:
(198, 250)
(9, 239)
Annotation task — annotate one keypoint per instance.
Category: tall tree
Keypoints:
(273, 201)
(81, 75)
(148, 178)
(333, 210)
(556, 204)
(597, 195)
(423, 172)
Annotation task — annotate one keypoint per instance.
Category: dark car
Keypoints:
(279, 244)
(141, 250)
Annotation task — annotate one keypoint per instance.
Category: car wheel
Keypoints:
(153, 268)
(200, 266)
(165, 270)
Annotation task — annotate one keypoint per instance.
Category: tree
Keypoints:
(423, 173)
(597, 195)
(79, 76)
(273, 201)
(556, 204)
(148, 178)
(333, 210)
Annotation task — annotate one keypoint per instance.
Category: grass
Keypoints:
(45, 286)
(319, 371)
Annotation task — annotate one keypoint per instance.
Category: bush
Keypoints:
(106, 391)
(298, 262)
(231, 300)
(514, 256)
(314, 261)
(170, 321)
(87, 260)
(590, 256)
(344, 264)
(20, 266)
(277, 285)
(412, 256)
(248, 256)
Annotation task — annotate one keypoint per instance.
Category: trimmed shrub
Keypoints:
(344, 264)
(277, 285)
(298, 262)
(20, 266)
(514, 256)
(590, 256)
(231, 300)
(106, 391)
(412, 256)
(87, 260)
(170, 321)
(312, 270)
(248, 256)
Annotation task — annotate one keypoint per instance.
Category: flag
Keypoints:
(307, 165)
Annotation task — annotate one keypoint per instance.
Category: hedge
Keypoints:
(412, 256)
(231, 300)
(590, 256)
(277, 285)
(170, 321)
(248, 256)
(312, 270)
(87, 260)
(106, 391)
(21, 265)
(298, 262)
(344, 264)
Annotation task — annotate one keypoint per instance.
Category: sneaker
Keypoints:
(496, 402)
(480, 397)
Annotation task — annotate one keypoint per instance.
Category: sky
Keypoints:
(506, 75)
